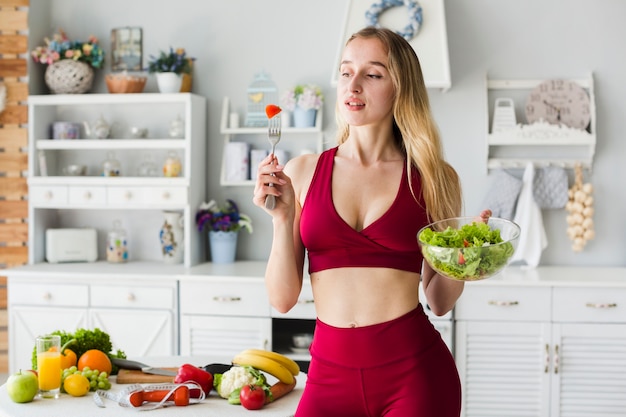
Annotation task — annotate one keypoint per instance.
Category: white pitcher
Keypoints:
(172, 237)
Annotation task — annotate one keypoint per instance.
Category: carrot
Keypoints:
(278, 390)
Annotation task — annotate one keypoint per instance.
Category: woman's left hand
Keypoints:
(484, 216)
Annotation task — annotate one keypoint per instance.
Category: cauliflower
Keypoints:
(235, 378)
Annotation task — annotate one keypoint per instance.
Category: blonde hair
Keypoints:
(414, 127)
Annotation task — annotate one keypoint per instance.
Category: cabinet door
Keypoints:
(26, 323)
(589, 374)
(138, 332)
(216, 337)
(504, 368)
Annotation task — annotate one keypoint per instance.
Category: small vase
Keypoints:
(69, 77)
(172, 237)
(169, 82)
(223, 246)
(304, 118)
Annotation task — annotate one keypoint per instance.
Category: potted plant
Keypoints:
(224, 223)
(173, 70)
(303, 101)
(70, 63)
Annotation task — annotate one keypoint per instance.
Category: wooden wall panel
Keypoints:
(13, 44)
(13, 188)
(13, 138)
(14, 57)
(14, 209)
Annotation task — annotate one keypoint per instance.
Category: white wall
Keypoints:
(296, 41)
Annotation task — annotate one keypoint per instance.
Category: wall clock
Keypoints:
(559, 102)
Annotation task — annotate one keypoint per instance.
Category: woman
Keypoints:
(356, 209)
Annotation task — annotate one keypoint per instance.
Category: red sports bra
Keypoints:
(389, 242)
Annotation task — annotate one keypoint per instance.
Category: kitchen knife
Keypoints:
(147, 369)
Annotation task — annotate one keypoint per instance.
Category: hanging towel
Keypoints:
(532, 240)
(503, 194)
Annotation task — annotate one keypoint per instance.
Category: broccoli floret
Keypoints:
(85, 339)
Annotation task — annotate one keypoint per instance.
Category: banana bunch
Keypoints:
(273, 363)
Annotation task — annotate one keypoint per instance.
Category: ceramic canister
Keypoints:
(65, 130)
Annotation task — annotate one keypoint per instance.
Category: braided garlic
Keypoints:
(580, 209)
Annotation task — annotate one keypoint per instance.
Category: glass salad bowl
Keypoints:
(466, 249)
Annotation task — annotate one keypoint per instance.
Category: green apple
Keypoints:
(22, 386)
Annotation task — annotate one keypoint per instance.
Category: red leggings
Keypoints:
(399, 368)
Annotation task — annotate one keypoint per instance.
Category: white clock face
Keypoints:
(559, 102)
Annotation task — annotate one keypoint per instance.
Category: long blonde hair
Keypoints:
(414, 127)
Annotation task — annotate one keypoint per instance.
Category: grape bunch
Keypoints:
(97, 380)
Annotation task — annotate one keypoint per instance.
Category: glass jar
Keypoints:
(148, 168)
(111, 167)
(117, 244)
(172, 165)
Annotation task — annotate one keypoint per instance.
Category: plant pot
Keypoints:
(69, 77)
(169, 82)
(304, 118)
(223, 246)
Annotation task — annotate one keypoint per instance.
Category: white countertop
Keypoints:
(596, 276)
(213, 406)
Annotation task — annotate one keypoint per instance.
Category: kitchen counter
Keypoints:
(213, 406)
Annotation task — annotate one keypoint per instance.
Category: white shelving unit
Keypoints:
(307, 138)
(540, 143)
(93, 200)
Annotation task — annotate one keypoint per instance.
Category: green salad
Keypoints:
(470, 253)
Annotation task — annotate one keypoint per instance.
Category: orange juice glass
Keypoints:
(49, 365)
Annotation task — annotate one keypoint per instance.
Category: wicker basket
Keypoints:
(124, 83)
(69, 77)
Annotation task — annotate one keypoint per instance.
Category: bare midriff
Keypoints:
(356, 297)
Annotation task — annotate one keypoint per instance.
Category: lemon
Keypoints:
(76, 385)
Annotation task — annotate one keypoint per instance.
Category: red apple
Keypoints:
(22, 386)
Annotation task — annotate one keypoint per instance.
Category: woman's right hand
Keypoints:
(269, 171)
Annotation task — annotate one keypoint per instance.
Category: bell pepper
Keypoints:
(193, 373)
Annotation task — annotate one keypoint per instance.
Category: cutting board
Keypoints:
(127, 376)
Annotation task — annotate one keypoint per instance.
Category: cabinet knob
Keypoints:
(48, 195)
(166, 195)
(500, 303)
(131, 297)
(128, 195)
(226, 299)
(601, 305)
(47, 296)
(306, 301)
(87, 195)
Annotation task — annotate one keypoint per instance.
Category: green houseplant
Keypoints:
(172, 69)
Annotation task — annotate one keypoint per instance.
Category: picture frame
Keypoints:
(126, 49)
(430, 43)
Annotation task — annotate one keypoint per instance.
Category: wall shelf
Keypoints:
(311, 138)
(540, 143)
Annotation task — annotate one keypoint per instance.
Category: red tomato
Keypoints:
(272, 110)
(252, 397)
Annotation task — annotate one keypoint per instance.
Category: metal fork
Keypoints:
(273, 135)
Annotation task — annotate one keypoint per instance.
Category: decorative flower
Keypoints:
(175, 61)
(60, 47)
(304, 96)
(225, 219)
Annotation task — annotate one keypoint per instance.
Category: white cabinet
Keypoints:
(542, 350)
(542, 144)
(140, 314)
(293, 140)
(224, 310)
(94, 200)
